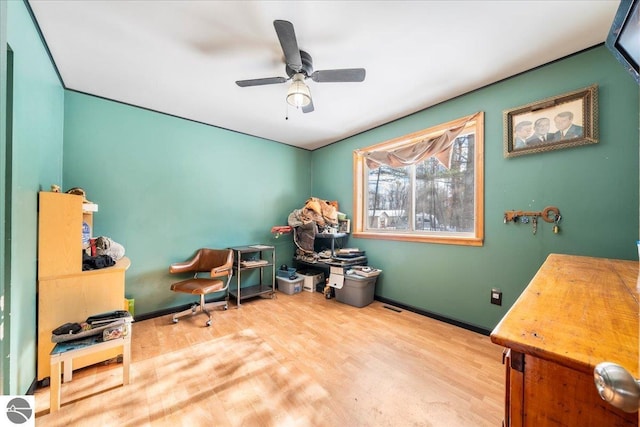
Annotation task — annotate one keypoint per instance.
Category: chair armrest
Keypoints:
(226, 268)
(183, 267)
(222, 270)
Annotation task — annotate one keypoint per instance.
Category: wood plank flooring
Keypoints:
(379, 367)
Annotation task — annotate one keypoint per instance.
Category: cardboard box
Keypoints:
(311, 279)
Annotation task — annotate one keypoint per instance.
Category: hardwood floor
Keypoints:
(378, 367)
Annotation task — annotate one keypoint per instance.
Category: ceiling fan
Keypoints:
(299, 67)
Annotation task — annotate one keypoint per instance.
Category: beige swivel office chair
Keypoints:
(219, 264)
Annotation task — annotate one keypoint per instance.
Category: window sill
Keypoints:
(421, 238)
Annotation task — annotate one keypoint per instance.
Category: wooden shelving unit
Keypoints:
(65, 292)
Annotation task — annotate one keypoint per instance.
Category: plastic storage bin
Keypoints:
(357, 290)
(288, 273)
(311, 279)
(290, 286)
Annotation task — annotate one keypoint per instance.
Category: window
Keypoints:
(424, 187)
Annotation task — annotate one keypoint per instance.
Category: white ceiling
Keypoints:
(183, 57)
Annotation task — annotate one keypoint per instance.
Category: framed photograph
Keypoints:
(562, 121)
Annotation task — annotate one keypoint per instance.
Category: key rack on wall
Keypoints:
(550, 214)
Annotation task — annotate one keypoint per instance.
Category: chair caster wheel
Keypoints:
(175, 320)
(208, 322)
(226, 307)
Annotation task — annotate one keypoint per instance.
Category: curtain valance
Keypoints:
(438, 147)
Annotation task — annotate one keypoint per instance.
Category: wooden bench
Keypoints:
(66, 352)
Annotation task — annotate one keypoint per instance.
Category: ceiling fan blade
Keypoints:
(308, 108)
(287, 37)
(260, 82)
(342, 75)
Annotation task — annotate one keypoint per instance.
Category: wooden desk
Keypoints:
(575, 313)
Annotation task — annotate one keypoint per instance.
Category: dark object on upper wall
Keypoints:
(624, 37)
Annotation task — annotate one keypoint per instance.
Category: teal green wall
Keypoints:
(167, 186)
(595, 187)
(5, 259)
(36, 163)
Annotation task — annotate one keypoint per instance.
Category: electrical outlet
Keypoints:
(496, 296)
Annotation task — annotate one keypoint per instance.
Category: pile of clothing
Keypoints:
(317, 216)
(102, 252)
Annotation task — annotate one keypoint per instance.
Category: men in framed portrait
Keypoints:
(541, 134)
(522, 132)
(565, 126)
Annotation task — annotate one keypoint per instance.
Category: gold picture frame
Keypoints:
(563, 121)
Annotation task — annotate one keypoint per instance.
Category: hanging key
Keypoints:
(556, 228)
(534, 221)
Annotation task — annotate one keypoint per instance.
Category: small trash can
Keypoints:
(357, 290)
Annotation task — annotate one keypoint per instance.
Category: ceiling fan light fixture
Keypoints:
(298, 94)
